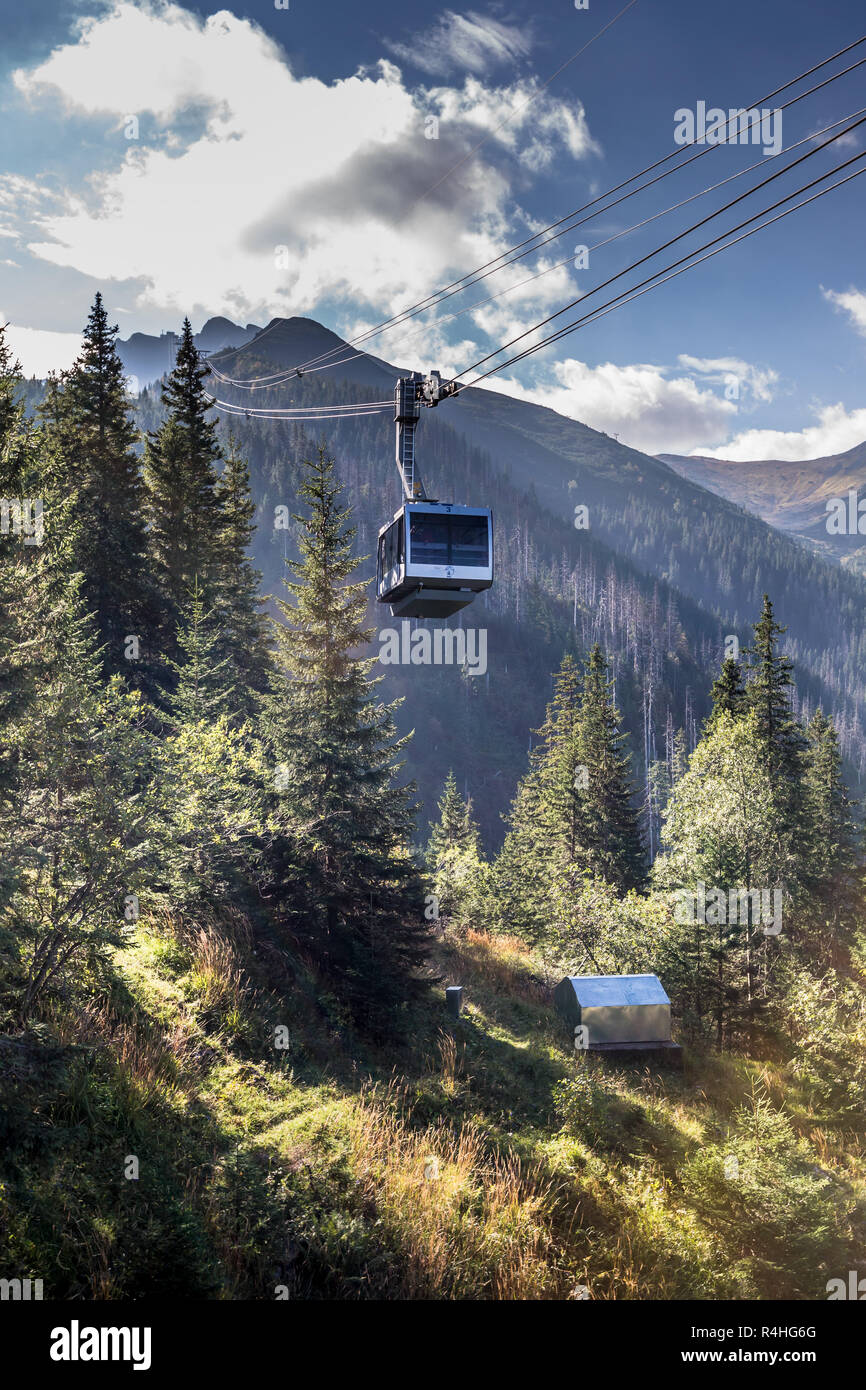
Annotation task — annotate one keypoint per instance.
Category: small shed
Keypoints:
(616, 1009)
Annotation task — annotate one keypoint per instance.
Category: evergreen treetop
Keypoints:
(728, 693)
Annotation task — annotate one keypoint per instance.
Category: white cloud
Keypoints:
(471, 41)
(511, 112)
(851, 302)
(40, 350)
(733, 371)
(837, 431)
(337, 174)
(155, 58)
(639, 403)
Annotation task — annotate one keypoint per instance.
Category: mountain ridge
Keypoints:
(790, 495)
(666, 571)
(147, 357)
(700, 552)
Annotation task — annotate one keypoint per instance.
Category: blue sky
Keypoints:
(253, 161)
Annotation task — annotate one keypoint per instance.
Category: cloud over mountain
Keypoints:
(245, 214)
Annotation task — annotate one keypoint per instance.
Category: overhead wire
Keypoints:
(502, 124)
(661, 277)
(688, 262)
(230, 409)
(616, 236)
(349, 410)
(356, 410)
(472, 277)
(779, 173)
(277, 378)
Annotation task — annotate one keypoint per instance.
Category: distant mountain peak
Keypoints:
(148, 356)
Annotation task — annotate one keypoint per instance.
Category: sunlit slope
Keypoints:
(792, 496)
(481, 1160)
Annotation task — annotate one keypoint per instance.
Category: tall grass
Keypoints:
(501, 962)
(468, 1222)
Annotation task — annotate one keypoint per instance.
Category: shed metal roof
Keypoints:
(606, 991)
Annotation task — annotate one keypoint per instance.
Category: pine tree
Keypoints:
(180, 467)
(357, 906)
(608, 821)
(729, 695)
(90, 452)
(242, 641)
(454, 853)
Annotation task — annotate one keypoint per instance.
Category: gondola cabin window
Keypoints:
(448, 540)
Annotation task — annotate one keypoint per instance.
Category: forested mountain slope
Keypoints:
(222, 1027)
(792, 495)
(664, 572)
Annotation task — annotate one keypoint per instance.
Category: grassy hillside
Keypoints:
(480, 1161)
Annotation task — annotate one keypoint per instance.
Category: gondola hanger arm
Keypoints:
(410, 393)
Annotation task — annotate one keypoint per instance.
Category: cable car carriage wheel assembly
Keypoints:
(433, 557)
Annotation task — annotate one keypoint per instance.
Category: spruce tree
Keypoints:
(783, 743)
(723, 835)
(90, 452)
(455, 830)
(542, 837)
(833, 868)
(454, 853)
(14, 432)
(679, 757)
(768, 693)
(357, 905)
(608, 820)
(519, 882)
(208, 827)
(180, 467)
(33, 569)
(24, 591)
(573, 818)
(74, 819)
(205, 686)
(562, 773)
(729, 695)
(242, 642)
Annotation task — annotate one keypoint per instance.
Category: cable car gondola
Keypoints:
(433, 558)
